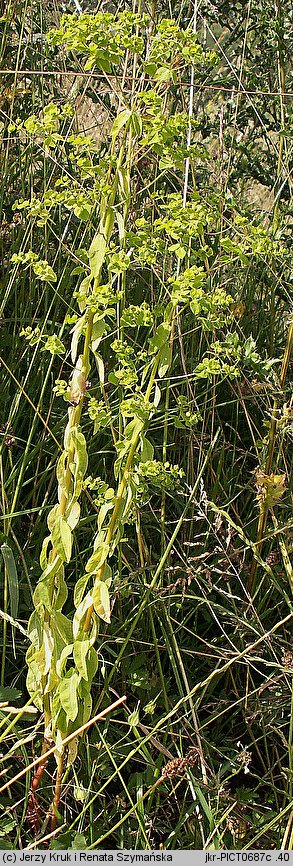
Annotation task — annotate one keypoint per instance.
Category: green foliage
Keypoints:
(161, 319)
(51, 673)
(41, 269)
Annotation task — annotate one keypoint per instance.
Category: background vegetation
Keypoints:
(200, 637)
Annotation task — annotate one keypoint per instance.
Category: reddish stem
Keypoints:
(40, 769)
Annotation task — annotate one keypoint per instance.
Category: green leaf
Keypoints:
(160, 338)
(231, 246)
(8, 693)
(92, 663)
(80, 652)
(52, 517)
(62, 627)
(107, 506)
(43, 554)
(97, 254)
(68, 693)
(101, 600)
(165, 361)
(119, 122)
(62, 842)
(66, 538)
(80, 613)
(73, 514)
(157, 396)
(85, 703)
(97, 558)
(79, 842)
(62, 538)
(136, 123)
(80, 456)
(47, 649)
(147, 450)
(150, 68)
(76, 332)
(61, 470)
(61, 661)
(7, 824)
(101, 369)
(163, 73)
(80, 588)
(54, 346)
(124, 187)
(178, 249)
(99, 327)
(42, 595)
(35, 625)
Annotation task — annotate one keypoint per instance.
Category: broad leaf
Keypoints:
(80, 652)
(119, 122)
(80, 613)
(62, 538)
(98, 557)
(68, 693)
(165, 360)
(80, 588)
(101, 600)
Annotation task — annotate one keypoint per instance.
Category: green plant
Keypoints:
(62, 659)
(150, 332)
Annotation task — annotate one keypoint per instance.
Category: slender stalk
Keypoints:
(42, 766)
(57, 794)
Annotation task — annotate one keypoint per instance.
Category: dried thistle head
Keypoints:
(178, 766)
(175, 768)
(270, 488)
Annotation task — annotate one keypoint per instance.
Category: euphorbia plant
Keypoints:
(177, 243)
